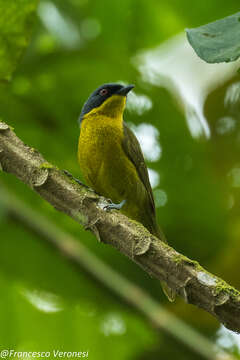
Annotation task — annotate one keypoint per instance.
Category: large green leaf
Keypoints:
(16, 21)
(218, 41)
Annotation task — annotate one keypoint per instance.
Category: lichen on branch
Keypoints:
(186, 277)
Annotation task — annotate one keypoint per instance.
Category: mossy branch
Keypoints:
(157, 315)
(188, 279)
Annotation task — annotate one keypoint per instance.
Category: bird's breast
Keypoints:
(99, 144)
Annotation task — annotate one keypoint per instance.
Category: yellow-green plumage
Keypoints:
(104, 155)
(112, 163)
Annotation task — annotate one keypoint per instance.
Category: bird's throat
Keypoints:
(112, 108)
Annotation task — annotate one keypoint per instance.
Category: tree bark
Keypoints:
(186, 277)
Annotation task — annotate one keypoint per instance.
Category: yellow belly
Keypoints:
(105, 166)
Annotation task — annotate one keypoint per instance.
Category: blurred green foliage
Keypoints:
(47, 304)
(17, 19)
(76, 46)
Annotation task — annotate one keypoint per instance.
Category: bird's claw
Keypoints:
(114, 206)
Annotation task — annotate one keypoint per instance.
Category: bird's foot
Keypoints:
(114, 206)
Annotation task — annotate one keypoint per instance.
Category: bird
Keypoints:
(111, 159)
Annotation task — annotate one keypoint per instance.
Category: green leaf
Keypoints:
(16, 21)
(218, 41)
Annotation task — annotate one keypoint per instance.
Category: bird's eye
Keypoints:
(103, 92)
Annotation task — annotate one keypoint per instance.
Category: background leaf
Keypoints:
(16, 21)
(218, 41)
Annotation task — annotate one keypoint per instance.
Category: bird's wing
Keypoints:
(133, 151)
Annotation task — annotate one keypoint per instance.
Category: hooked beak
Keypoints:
(125, 90)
